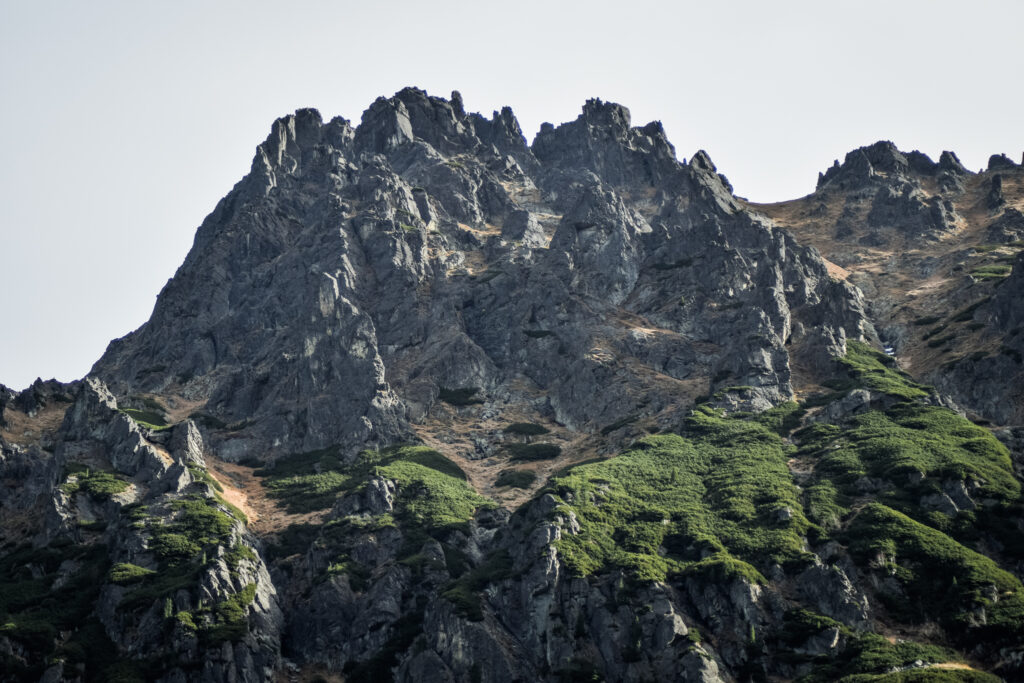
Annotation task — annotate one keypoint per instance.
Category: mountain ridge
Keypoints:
(425, 403)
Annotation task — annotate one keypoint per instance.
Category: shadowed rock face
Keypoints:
(353, 273)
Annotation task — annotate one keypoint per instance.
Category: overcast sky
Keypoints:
(124, 122)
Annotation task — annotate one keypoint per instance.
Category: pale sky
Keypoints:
(124, 122)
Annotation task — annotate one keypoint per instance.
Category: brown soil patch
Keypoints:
(177, 408)
(452, 433)
(24, 430)
(836, 272)
(245, 491)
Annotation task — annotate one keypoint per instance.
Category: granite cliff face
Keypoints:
(354, 273)
(427, 403)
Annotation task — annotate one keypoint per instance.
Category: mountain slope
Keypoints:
(565, 411)
(931, 245)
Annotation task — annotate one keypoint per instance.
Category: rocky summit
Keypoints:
(428, 403)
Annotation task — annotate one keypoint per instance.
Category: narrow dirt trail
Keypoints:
(245, 490)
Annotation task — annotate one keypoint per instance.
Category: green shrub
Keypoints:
(463, 396)
(171, 547)
(99, 485)
(200, 519)
(305, 482)
(464, 593)
(526, 429)
(230, 621)
(943, 580)
(433, 489)
(533, 451)
(125, 573)
(939, 341)
(783, 418)
(968, 313)
(520, 479)
(46, 591)
(200, 474)
(209, 421)
(994, 271)
(619, 424)
(146, 418)
(910, 438)
(689, 497)
(871, 657)
(875, 371)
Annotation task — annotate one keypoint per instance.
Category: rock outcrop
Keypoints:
(437, 242)
(554, 412)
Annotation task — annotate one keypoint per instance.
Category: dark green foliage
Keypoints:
(433, 493)
(875, 371)
(292, 540)
(202, 475)
(800, 624)
(968, 313)
(209, 421)
(533, 451)
(925, 675)
(99, 485)
(994, 271)
(714, 513)
(32, 610)
(526, 429)
(682, 263)
(239, 552)
(198, 525)
(125, 573)
(927, 320)
(404, 632)
(464, 593)
(912, 440)
(306, 482)
(520, 479)
(201, 520)
(171, 578)
(462, 396)
(939, 341)
(229, 617)
(433, 489)
(146, 418)
(619, 424)
(783, 418)
(308, 492)
(870, 657)
(824, 504)
(944, 580)
(303, 463)
(174, 548)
